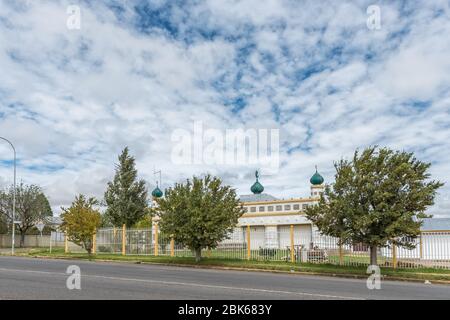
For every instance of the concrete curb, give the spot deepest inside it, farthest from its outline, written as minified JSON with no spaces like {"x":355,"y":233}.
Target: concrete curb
{"x":310,"y":273}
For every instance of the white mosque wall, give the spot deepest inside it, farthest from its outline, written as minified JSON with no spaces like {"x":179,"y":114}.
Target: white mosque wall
{"x":273,"y":220}
{"x":302,"y":235}
{"x":435,"y":246}
{"x":257,"y":237}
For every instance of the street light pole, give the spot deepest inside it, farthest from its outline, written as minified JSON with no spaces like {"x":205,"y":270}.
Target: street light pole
{"x":14,"y":199}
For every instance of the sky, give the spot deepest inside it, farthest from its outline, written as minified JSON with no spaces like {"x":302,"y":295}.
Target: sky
{"x":135,"y":71}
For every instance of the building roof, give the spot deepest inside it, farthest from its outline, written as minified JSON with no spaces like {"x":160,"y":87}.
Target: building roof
{"x":257,"y":197}
{"x":432,"y":224}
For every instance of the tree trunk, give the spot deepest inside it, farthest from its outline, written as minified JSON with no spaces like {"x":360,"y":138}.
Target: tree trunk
{"x":373,"y":255}
{"x":22,"y":239}
{"x":198,"y":254}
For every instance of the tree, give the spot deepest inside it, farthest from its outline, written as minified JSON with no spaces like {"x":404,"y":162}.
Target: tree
{"x":199,"y":213}
{"x":80,"y":221}
{"x":31,"y":206}
{"x":146,"y":220}
{"x":3,"y":224}
{"x":379,"y":199}
{"x":125,"y":197}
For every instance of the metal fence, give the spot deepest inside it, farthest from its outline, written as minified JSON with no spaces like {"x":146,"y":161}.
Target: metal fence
{"x":286,"y":243}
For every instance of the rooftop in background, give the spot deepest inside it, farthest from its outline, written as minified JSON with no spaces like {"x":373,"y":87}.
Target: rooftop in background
{"x":434,"y":224}
{"x":257,"y":197}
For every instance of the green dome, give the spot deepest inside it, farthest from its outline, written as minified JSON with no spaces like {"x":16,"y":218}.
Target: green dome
{"x":257,"y":188}
{"x":157,"y":193}
{"x":316,"y":179}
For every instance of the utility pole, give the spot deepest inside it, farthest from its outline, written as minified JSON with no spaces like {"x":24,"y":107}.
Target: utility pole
{"x":14,"y":199}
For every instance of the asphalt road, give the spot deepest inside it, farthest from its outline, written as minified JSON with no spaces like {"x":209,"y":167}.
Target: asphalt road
{"x":28,"y":278}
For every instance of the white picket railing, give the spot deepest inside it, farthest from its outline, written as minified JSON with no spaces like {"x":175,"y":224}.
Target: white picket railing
{"x":287,"y":244}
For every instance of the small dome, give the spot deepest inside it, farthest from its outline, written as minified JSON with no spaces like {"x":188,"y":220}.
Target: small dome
{"x":157,"y":193}
{"x":257,"y":188}
{"x":316,"y":179}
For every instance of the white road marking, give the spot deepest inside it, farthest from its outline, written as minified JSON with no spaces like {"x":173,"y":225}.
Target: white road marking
{"x":190,"y":284}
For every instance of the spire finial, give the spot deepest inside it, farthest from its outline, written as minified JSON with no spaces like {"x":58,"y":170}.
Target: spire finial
{"x":257,"y":187}
{"x":157,"y":193}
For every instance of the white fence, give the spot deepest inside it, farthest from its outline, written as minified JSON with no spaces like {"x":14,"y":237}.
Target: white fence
{"x":285,"y":243}
{"x":289,"y":243}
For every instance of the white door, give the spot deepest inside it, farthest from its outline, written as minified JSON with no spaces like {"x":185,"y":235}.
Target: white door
{"x":302,"y":235}
{"x":257,"y":237}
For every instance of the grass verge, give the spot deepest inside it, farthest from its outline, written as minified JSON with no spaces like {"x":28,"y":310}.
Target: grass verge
{"x":418,"y":274}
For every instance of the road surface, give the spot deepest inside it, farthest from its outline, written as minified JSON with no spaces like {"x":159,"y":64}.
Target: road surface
{"x":30,"y":278}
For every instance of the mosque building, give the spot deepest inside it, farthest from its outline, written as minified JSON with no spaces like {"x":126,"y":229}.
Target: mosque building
{"x":270,"y":218}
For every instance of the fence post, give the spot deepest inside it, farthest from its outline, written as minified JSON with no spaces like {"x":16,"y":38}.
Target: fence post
{"x":156,"y":240}
{"x":172,"y":247}
{"x":94,"y":241}
{"x":341,"y":254}
{"x":421,"y":246}
{"x":66,"y":243}
{"x":394,"y":255}
{"x":124,"y":239}
{"x":114,"y":239}
{"x":292,"y":244}
{"x":248,"y":242}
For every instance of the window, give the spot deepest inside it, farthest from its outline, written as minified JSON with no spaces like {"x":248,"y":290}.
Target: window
{"x":305,"y":206}
{"x":252,"y":209}
{"x":262,"y":209}
{"x":287,"y":207}
{"x":245,"y":209}
{"x":296,"y":207}
{"x":279,"y":208}
{"x":270,"y":208}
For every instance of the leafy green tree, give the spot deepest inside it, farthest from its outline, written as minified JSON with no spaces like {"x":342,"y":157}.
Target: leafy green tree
{"x":125,"y":197}
{"x":379,"y":199}
{"x":31,"y":206}
{"x":80,"y":221}
{"x":146,"y":221}
{"x":199,"y":213}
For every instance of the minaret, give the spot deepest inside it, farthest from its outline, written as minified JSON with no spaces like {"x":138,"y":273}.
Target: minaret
{"x":317,"y":185}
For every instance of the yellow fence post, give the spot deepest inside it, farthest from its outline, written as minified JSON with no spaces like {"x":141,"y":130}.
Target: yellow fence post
{"x":248,"y":242}
{"x":124,"y":239}
{"x":394,"y":256}
{"x":114,"y":239}
{"x":172,"y":247}
{"x":341,"y":254}
{"x":292,"y":244}
{"x":421,"y":246}
{"x":94,"y":241}
{"x":66,"y":243}
{"x":156,"y":239}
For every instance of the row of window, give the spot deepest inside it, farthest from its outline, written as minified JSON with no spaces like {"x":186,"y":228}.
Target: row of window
{"x":287,"y":207}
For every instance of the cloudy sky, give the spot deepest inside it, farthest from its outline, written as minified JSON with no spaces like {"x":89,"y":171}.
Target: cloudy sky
{"x":71,"y":99}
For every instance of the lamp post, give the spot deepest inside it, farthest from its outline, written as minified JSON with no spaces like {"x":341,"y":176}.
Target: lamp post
{"x":14,"y":198}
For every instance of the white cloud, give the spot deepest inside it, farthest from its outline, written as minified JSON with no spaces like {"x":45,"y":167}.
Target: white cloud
{"x":71,"y":100}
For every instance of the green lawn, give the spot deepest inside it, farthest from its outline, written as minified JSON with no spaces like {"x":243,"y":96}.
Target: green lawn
{"x":322,"y":268}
